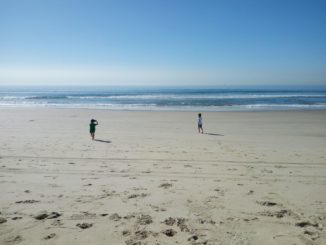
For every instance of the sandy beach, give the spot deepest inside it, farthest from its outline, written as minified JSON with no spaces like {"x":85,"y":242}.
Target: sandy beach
{"x":150,"y":178}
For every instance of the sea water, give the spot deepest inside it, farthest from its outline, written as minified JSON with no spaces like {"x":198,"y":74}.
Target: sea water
{"x":165,"y":98}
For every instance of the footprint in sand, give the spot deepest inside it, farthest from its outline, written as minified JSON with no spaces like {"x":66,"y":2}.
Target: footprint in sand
{"x":206,"y":221}
{"x":139,"y":235}
{"x":180,"y":222}
{"x":137,"y":195}
{"x":232,"y":169}
{"x":45,"y":215}
{"x":146,"y":172}
{"x":277,"y":214}
{"x":308,"y":223}
{"x":193,"y":238}
{"x":139,"y":189}
{"x":126,"y":233}
{"x":52,"y":235}
{"x":165,"y":185}
{"x":115,"y":217}
{"x":312,"y":234}
{"x":221,"y":192}
{"x":16,"y":218}
{"x":251,"y":219}
{"x":250,"y":192}
{"x":266,"y":171}
{"x":13,"y":240}
{"x":57,"y":223}
{"x":28,"y":201}
{"x":157,"y":209}
{"x":169,"y":232}
{"x":267,"y":203}
{"x":2,"y":220}
{"x":144,"y":219}
{"x":84,"y":225}
{"x":83,"y":215}
{"x":169,"y":221}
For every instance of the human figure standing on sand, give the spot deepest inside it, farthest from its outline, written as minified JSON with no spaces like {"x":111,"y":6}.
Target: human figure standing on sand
{"x":92,"y":126}
{"x":200,"y":124}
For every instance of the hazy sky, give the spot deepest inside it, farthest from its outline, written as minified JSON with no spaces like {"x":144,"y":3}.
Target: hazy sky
{"x":162,"y":42}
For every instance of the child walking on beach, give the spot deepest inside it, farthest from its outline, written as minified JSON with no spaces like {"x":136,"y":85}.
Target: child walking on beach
{"x":92,"y":126}
{"x":200,"y":124}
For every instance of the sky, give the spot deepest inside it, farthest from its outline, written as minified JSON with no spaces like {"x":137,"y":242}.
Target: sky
{"x":163,"y":42}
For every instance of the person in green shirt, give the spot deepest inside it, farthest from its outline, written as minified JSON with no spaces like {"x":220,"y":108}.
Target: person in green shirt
{"x":92,"y":126}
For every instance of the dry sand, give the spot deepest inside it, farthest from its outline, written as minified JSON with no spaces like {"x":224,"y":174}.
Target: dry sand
{"x":253,"y":178}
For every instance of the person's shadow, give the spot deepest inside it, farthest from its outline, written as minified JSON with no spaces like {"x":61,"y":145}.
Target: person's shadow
{"x":103,"y":141}
{"x":214,"y":134}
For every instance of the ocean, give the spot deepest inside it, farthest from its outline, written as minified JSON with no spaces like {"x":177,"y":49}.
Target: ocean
{"x":165,"y":98}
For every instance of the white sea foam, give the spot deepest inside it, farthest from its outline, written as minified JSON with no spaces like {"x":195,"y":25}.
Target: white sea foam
{"x":154,"y":107}
{"x":195,"y":96}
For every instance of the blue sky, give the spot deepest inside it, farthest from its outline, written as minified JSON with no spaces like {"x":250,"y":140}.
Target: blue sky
{"x":162,"y":42}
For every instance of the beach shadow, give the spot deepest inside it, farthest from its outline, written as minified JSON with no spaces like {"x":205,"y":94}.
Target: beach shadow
{"x":103,"y":141}
{"x":214,"y":134}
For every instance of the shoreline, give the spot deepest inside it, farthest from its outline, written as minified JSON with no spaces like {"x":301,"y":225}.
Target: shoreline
{"x":267,"y":109}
